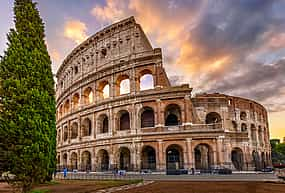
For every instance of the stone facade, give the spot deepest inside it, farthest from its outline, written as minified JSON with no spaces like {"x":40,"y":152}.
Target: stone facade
{"x":100,"y":128}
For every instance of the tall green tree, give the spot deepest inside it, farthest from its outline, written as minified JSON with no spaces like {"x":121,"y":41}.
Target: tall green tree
{"x":27,"y":111}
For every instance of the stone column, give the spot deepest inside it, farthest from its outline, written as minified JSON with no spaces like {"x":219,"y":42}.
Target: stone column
{"x":160,"y":161}
{"x":189,"y":151}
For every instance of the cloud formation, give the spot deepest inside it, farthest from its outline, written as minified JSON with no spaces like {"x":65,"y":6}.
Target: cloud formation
{"x":234,"y":47}
{"x":75,"y":30}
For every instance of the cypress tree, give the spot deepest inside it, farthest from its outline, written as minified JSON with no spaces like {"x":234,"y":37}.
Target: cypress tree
{"x":27,"y":97}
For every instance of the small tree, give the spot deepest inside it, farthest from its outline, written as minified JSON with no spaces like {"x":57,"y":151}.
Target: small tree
{"x":27,"y":112}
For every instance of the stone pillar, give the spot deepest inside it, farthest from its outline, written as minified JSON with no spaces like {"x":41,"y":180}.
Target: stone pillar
{"x":190,"y":157}
{"x":93,"y":159}
{"x":220,"y":151}
{"x":160,"y":161}
{"x":159,"y":122}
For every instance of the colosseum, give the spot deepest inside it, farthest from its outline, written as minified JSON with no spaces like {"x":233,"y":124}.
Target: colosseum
{"x":116,"y":109}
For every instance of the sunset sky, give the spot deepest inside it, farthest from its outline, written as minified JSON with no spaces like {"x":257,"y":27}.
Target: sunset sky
{"x":228,"y":46}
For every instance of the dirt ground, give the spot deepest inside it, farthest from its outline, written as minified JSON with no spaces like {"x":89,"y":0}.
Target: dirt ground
{"x":162,"y":187}
{"x":73,"y":186}
{"x":209,"y":187}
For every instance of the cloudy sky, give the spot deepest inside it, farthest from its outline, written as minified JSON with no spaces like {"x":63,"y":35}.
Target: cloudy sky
{"x":235,"y":47}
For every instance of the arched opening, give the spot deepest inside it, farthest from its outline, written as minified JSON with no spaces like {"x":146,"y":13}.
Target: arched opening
{"x":243,"y":116}
{"x":174,"y":157}
{"x":123,"y":85}
{"x":59,"y":136}
{"x":253,"y":132}
{"x":146,"y":80}
{"x":124,"y":120}
{"x":86,"y":127}
{"x":263,"y":160}
{"x":103,"y":124}
{"x":74,"y":130}
{"x":60,"y":111}
{"x":237,"y":158}
{"x":203,"y":157}
{"x":125,"y":159}
{"x":103,"y":161}
{"x":235,"y":126}
{"x":74,"y":165}
{"x":172,"y":115}
{"x":256,"y":160}
{"x":88,"y":96}
{"x":66,"y":107}
{"x":148,"y":158}
{"x":86,"y":161}
{"x":243,"y":127}
{"x":147,"y":117}
{"x":75,"y":101}
{"x":260,"y":135}
{"x":104,"y":90}
{"x":58,"y":160}
{"x":213,"y":117}
{"x":65,"y":133}
{"x":64,"y":160}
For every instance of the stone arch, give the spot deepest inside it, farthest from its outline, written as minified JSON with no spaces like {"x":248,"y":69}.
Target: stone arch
{"x":237,"y":158}
{"x":104,"y":89}
{"x":253,"y":132}
{"x":103,"y":160}
{"x":260,"y":135}
{"x":124,"y":120}
{"x":103,"y":124}
{"x":75,"y":101}
{"x":86,"y":161}
{"x":174,"y":157}
{"x":123,"y":85}
{"x":64,"y":160}
{"x":235,"y":126}
{"x":74,"y":130}
{"x":213,"y":118}
{"x":263,"y":160}
{"x":124,"y":158}
{"x":60,"y":111}
{"x":146,"y":80}
{"x":86,"y":127}
{"x":65,"y":133}
{"x":148,"y":158}
{"x":204,"y":156}
{"x":74,"y":161}
{"x":66,"y":107}
{"x":243,"y":127}
{"x":88,"y":96}
{"x":256,"y":160}
{"x":243,"y":116}
{"x":147,"y":117}
{"x":172,"y":115}
{"x":59,"y":136}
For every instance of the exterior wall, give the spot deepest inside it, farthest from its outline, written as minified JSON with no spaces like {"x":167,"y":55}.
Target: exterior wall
{"x":127,"y":53}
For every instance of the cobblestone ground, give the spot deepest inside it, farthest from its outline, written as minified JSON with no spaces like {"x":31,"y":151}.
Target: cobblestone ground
{"x":208,"y":187}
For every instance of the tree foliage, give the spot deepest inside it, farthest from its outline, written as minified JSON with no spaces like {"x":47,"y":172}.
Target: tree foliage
{"x":27,"y":112}
{"x":278,"y":153}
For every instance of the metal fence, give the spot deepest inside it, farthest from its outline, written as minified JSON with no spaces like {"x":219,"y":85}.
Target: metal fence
{"x":97,"y":176}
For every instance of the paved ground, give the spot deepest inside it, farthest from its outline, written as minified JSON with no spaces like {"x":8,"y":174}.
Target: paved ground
{"x":233,"y":177}
{"x":208,"y":187}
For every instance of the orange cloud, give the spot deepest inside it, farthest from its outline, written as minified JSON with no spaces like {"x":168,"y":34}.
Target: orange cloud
{"x":75,"y":30}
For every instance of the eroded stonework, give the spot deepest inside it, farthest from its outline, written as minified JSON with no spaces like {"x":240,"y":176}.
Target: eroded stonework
{"x":163,"y":127}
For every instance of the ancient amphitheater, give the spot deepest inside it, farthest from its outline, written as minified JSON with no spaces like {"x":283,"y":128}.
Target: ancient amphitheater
{"x":107,"y":119}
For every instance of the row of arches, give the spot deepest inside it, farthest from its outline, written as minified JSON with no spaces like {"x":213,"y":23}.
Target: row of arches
{"x":174,"y":158}
{"x":146,"y":119}
{"x":121,"y":87}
